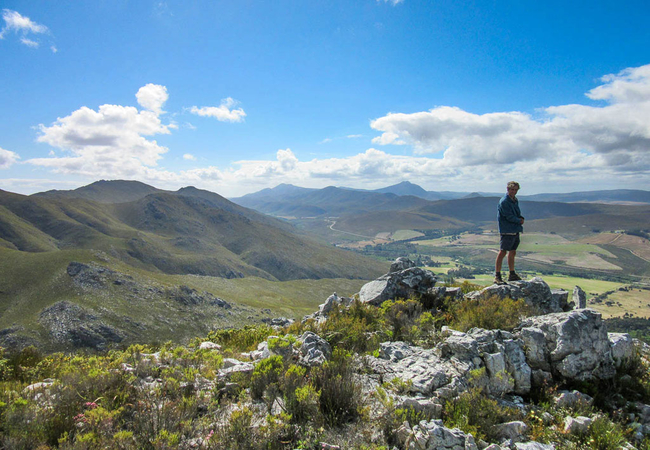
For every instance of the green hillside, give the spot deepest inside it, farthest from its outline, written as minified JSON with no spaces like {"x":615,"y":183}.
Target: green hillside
{"x":43,"y":302}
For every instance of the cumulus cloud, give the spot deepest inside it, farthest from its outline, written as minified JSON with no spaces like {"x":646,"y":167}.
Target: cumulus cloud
{"x":7,"y":158}
{"x":24,"y":26}
{"x":225,"y":112}
{"x":189,"y":157}
{"x":110,"y":141}
{"x":615,"y":135}
{"x":152,"y":97}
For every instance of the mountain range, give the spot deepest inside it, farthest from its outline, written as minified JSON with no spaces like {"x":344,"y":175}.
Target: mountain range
{"x":189,"y":231}
{"x":385,"y":210}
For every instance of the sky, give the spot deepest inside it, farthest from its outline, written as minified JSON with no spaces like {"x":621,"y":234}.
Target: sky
{"x":238,"y":96}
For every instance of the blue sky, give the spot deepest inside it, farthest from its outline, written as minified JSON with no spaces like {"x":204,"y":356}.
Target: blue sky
{"x":236,"y":96}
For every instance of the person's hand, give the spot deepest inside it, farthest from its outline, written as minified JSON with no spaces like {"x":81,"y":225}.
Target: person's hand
{"x":522,"y":221}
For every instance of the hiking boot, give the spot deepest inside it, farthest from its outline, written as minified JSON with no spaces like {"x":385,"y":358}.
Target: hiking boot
{"x":498,"y":280}
{"x":514,"y":277}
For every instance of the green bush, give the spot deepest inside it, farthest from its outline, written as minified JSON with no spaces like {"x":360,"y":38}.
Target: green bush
{"x":340,"y":395}
{"x":475,"y":413}
{"x":266,"y":376}
{"x":490,"y":313}
{"x":241,"y":339}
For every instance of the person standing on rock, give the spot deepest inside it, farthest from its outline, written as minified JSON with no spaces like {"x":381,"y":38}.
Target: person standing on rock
{"x":511,"y":223}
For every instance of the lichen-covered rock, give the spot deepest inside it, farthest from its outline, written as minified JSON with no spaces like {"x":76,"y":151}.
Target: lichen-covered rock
{"x":434,"y":436}
{"x":279,"y":322}
{"x":571,"y":345}
{"x":579,"y":298}
{"x":514,"y":431}
{"x":623,"y":348}
{"x":325,"y":308}
{"x":445,"y":370}
{"x":401,"y":263}
{"x":314,"y":350}
{"x":404,"y":284}
{"x":570,"y":399}
{"x":577,"y":425}
{"x":534,"y":292}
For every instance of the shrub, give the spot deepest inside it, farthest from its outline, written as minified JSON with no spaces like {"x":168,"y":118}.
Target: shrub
{"x":475,"y":413}
{"x":356,"y":329}
{"x":489,"y":313}
{"x":266,"y":375}
{"x":340,"y":398}
{"x":400,"y":316}
{"x":241,"y":339}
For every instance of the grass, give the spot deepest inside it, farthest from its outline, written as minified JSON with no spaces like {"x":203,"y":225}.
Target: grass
{"x":30,"y":282}
{"x":634,"y":301}
{"x":402,"y":235}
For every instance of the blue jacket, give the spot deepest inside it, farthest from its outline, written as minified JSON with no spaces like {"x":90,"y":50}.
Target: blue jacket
{"x":509,"y":216}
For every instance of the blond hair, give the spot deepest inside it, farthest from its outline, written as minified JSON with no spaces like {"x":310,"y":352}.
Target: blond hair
{"x":513,"y":184}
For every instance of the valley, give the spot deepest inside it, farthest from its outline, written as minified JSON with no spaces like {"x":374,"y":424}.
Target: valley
{"x":118,"y":262}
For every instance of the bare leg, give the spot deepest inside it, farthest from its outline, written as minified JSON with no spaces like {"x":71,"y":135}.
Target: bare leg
{"x":499,"y":261}
{"x":511,"y":260}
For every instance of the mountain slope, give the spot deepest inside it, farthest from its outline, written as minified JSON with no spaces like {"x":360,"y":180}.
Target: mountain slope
{"x":104,"y":191}
{"x":200,"y":233}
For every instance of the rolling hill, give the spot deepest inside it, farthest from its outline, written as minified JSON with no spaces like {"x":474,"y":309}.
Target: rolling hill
{"x":185,"y":232}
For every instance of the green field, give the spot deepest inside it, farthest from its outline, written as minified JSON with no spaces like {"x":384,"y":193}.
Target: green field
{"x":402,"y":235}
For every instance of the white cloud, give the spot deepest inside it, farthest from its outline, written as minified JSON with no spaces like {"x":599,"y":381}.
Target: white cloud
{"x":189,"y":157}
{"x":392,"y":2}
{"x":569,"y":147}
{"x":29,"y":42}
{"x":16,"y":22}
{"x":617,"y":135}
{"x":223,"y":113}
{"x":19,"y":24}
{"x":7,"y":158}
{"x":152,"y":97}
{"x":112,"y":141}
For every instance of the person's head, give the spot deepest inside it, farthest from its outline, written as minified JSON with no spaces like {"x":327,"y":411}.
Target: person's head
{"x":512,"y":187}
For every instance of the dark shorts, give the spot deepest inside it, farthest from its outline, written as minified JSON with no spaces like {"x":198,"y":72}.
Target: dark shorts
{"x":509,"y":242}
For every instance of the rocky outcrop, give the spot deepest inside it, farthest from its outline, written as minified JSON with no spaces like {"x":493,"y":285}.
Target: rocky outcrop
{"x":401,"y":263}
{"x":579,"y":297}
{"x":313,"y":350}
{"x":324,"y":309}
{"x":571,"y":345}
{"x":446,"y":370}
{"x":534,"y":292}
{"x":434,"y":436}
{"x":191,"y":297}
{"x":404,"y":284}
{"x":71,"y":325}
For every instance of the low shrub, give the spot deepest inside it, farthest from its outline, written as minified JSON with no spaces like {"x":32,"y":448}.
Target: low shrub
{"x":475,"y":413}
{"x":489,"y":313}
{"x":340,"y":394}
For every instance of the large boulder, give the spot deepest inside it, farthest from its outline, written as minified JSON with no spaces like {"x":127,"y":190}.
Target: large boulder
{"x":401,"y":263}
{"x":407,"y":283}
{"x":572,"y":345}
{"x":434,"y":436}
{"x":535,"y":293}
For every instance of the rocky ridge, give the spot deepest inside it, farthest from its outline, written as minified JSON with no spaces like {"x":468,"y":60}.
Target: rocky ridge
{"x":563,"y":345}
